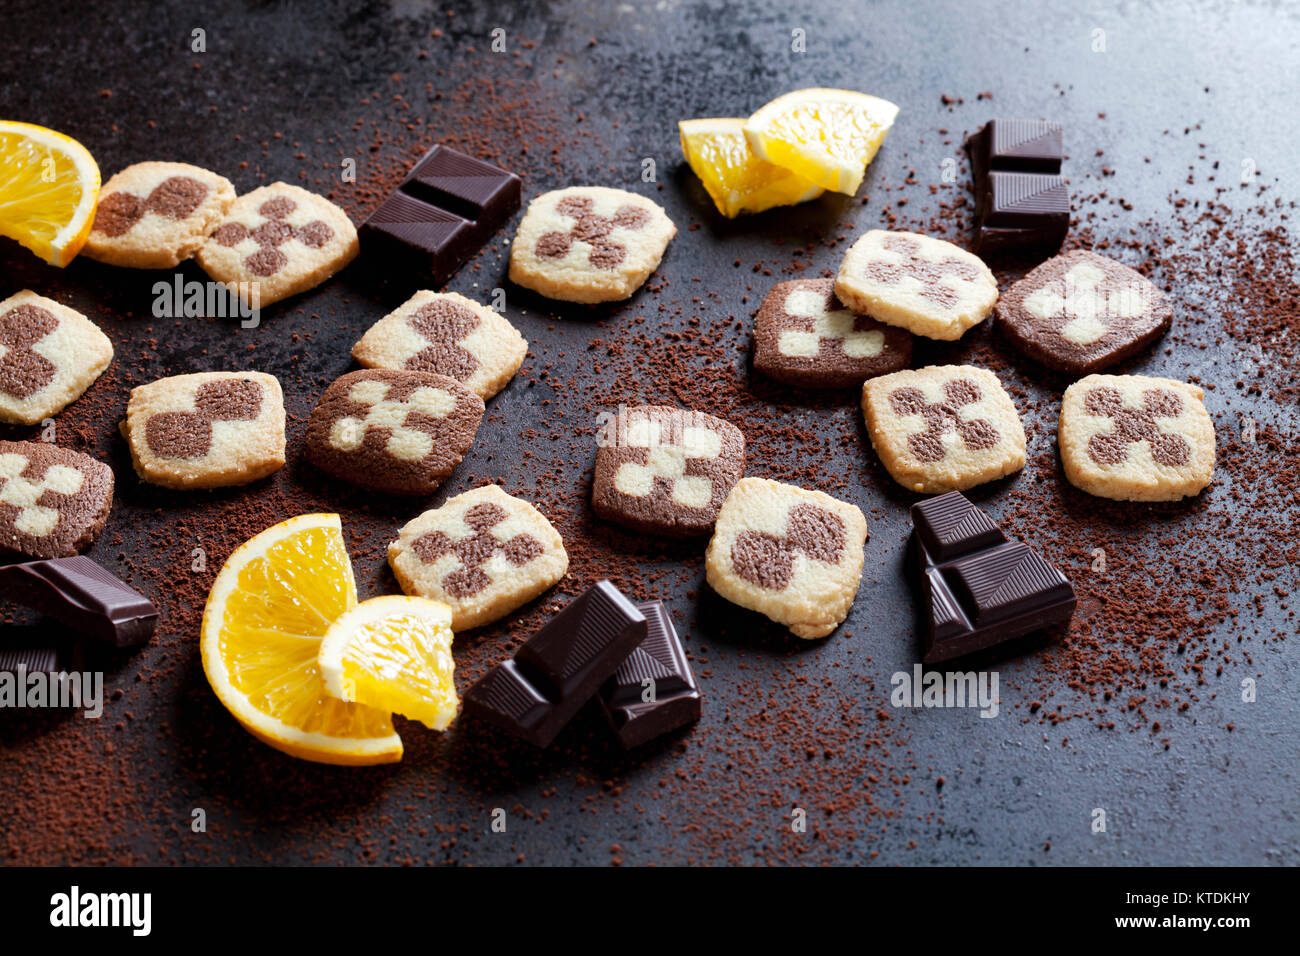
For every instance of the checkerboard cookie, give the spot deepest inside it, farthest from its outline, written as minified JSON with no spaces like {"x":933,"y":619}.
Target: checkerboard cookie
{"x":156,"y":215}
{"x":446,"y":334}
{"x":944,"y":427}
{"x":393,"y":431}
{"x":804,"y":336}
{"x":282,"y":240}
{"x":665,"y":470}
{"x":206,"y":430}
{"x":53,"y":501}
{"x":791,"y":554}
{"x":483,"y":552}
{"x":925,"y":285}
{"x":589,"y":244}
{"x":49,"y":355}
{"x":1135,"y":438}
{"x":1080,"y":313}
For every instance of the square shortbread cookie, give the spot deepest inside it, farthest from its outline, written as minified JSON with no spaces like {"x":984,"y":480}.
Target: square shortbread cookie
{"x":1135,"y":438}
{"x":483,"y":552}
{"x":156,"y":215}
{"x":446,"y":334}
{"x":944,"y":427}
{"x":804,"y":336}
{"x":49,"y":356}
{"x":791,"y":554}
{"x":53,"y":501}
{"x":393,"y":431}
{"x":918,"y":283}
{"x":282,"y":240}
{"x":589,"y":244}
{"x":666,"y":470}
{"x":1080,"y":313}
{"x":206,"y":430}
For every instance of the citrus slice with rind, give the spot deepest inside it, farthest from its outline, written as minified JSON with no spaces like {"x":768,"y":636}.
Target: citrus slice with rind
{"x":394,"y":653}
{"x":269,"y":608}
{"x":826,"y":136}
{"x":49,"y":186}
{"x":735,"y":178}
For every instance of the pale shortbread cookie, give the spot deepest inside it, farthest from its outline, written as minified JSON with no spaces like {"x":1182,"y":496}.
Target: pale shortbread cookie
{"x":206,"y":430}
{"x":49,"y":355}
{"x":280,"y":239}
{"x":483,"y":552}
{"x":791,"y":554}
{"x":447,"y":334}
{"x":944,"y":427}
{"x":1135,"y":438}
{"x":925,"y":285}
{"x":156,"y":215}
{"x":589,"y":244}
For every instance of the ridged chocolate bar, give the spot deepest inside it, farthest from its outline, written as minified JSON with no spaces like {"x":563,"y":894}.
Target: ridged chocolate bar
{"x":444,"y":211}
{"x":1021,"y":201}
{"x":657,"y":670}
{"x":977,"y":588}
{"x":560,"y":667}
{"x":83,"y":595}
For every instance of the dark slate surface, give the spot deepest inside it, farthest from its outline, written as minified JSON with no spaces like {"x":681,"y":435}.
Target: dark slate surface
{"x":1011,"y":787}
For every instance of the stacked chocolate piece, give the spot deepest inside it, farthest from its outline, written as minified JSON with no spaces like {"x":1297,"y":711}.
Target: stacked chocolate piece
{"x":1021,"y":200}
{"x":600,"y":645}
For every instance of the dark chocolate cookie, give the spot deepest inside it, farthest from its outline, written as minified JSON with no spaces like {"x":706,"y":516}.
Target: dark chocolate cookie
{"x":53,"y":501}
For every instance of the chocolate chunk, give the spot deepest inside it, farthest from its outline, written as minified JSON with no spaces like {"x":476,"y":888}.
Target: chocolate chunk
{"x":33,"y":660}
{"x":1026,"y":146}
{"x":1021,"y":201}
{"x":82,"y":595}
{"x":654,"y":690}
{"x":978,"y":589}
{"x":448,"y":206}
{"x":560,"y":667}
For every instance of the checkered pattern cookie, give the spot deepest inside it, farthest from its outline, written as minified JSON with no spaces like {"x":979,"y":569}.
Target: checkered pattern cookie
{"x":925,"y":285}
{"x":1135,"y":438}
{"x":483,"y":552}
{"x":589,"y":244}
{"x":156,"y":215}
{"x":446,"y":334}
{"x":49,"y":355}
{"x":789,"y":553}
{"x":53,"y":501}
{"x":282,"y":239}
{"x":803,"y":335}
{"x":665,"y":470}
{"x":206,"y":430}
{"x":393,"y":431}
{"x":943,"y":428}
{"x":1081,"y":312}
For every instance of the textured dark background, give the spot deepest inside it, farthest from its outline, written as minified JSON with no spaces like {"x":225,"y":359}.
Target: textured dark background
{"x":584,"y":93}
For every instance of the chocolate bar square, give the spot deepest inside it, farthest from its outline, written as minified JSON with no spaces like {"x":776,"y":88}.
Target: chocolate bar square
{"x":654,"y":690}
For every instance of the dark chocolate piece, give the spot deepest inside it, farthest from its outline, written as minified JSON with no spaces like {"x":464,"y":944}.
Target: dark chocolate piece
{"x":448,"y":206}
{"x":43,"y":660}
{"x":977,"y":588}
{"x":1014,"y":145}
{"x":657,"y":670}
{"x":560,"y":667}
{"x":1021,"y":201}
{"x":83,"y":595}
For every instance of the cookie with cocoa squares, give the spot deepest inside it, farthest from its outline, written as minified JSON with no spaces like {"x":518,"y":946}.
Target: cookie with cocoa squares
{"x":789,"y":553}
{"x":53,"y":501}
{"x":446,"y":334}
{"x":589,"y":244}
{"x":206,"y":430}
{"x":665,"y":470}
{"x":485,"y":553}
{"x":156,"y":215}
{"x":399,"y":432}
{"x":804,"y":336}
{"x":277,"y":241}
{"x":49,"y":355}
